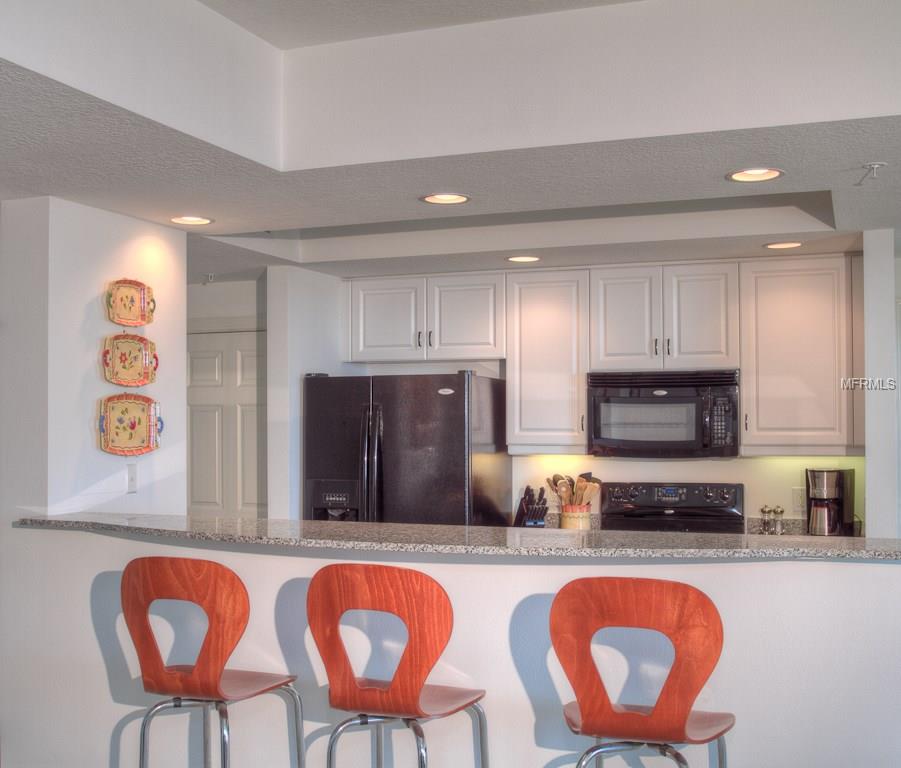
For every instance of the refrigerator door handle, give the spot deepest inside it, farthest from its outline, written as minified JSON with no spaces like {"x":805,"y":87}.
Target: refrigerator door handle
{"x":373,"y":511}
{"x":364,"y":462}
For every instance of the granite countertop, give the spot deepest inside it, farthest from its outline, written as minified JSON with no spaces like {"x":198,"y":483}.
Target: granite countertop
{"x":462,"y":540}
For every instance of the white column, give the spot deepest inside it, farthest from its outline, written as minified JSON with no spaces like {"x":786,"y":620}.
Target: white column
{"x":881,"y":361}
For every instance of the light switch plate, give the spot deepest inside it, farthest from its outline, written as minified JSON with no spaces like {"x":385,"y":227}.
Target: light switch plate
{"x":799,"y":502}
{"x":132,"y":472}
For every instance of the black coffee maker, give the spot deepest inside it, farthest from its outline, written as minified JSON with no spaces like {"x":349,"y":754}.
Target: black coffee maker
{"x":830,"y":502}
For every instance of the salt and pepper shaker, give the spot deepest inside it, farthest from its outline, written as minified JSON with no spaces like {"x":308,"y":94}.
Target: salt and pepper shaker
{"x":771,"y":520}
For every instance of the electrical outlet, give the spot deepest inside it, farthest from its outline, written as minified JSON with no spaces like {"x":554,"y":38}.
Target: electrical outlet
{"x":799,"y":502}
{"x":132,"y":472}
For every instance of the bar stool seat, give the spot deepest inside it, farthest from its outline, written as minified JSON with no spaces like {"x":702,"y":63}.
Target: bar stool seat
{"x":700,"y":727}
{"x":236,"y":684}
{"x":434,"y":701}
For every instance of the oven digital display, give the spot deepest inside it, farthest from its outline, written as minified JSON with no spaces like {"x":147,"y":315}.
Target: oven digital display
{"x":669,"y":493}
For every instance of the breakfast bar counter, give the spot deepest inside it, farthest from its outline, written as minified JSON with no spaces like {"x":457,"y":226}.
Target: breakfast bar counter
{"x":312,"y":537}
{"x":811,"y":662}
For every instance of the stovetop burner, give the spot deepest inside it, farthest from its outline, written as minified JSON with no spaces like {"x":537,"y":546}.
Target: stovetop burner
{"x":690,"y":507}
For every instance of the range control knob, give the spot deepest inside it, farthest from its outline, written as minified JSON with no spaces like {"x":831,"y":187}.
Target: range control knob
{"x":708,"y":494}
{"x":725,"y":494}
{"x":634,"y":492}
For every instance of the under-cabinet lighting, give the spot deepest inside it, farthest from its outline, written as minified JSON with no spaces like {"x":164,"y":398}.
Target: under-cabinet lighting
{"x":755,"y":174}
{"x":783,"y":246}
{"x":445,"y":198}
{"x":523,"y":259}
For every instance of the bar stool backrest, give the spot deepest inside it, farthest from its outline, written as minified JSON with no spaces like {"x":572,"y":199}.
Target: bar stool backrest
{"x":684,"y":614}
{"x":216,"y":589}
{"x":415,"y":598}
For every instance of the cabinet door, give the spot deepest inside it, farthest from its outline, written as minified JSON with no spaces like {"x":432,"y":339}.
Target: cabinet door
{"x":626,"y":326}
{"x":547,"y":359}
{"x":794,"y":352}
{"x":700,"y":316}
{"x":387,"y":319}
{"x":466,"y":317}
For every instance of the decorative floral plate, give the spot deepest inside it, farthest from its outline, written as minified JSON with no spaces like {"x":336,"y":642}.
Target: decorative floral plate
{"x":130,"y":302}
{"x":129,"y":360}
{"x":129,"y":424}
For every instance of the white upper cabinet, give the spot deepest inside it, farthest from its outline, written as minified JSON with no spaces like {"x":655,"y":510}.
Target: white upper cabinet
{"x":700,"y":316}
{"x":452,"y":317}
{"x":626,"y":318}
{"x":466,"y":316}
{"x":794,"y":352}
{"x":547,"y":360}
{"x":679,"y":317}
{"x":387,"y":319}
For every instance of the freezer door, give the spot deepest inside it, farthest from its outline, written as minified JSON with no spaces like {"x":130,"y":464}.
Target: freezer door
{"x":421,"y":449}
{"x":335,"y":445}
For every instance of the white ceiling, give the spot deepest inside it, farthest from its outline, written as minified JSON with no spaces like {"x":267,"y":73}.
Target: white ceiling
{"x":296,"y":23}
{"x":55,"y":140}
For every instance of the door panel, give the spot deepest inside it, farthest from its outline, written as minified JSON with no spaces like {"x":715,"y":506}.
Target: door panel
{"x":626,"y":327}
{"x":227,"y":423}
{"x":388,"y":319}
{"x":700,"y":311}
{"x":466,"y":317}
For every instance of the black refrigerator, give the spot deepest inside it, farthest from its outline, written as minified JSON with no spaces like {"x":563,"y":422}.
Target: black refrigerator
{"x":406,"y":449}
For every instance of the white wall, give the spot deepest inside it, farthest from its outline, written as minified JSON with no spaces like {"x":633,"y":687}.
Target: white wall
{"x":74,"y":252}
{"x":768,"y":480}
{"x":811,"y":664}
{"x":305,"y":335}
{"x":622,"y":71}
{"x":235,"y":305}
{"x":174,"y":61}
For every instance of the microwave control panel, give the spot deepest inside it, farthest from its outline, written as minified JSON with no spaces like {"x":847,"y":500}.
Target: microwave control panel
{"x":722,"y":422}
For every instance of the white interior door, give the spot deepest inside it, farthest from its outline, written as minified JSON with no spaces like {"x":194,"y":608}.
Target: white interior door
{"x":227,"y":423}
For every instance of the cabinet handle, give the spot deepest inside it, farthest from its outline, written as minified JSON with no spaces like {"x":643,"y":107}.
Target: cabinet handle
{"x":669,"y":348}
{"x":419,"y":338}
{"x":746,"y":422}
{"x":582,"y":422}
{"x":656,"y":347}
{"x":430,"y":338}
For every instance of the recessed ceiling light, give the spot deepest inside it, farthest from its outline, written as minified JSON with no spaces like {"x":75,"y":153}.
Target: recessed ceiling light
{"x":523,"y":259}
{"x":445,"y":198}
{"x":191,"y":221}
{"x":755,"y":174}
{"x":781,"y":246}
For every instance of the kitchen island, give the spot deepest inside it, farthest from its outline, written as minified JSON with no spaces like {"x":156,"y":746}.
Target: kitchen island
{"x":810,"y":665}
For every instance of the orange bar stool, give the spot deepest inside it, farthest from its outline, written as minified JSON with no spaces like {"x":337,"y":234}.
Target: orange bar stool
{"x":424,"y":607}
{"x":207,"y":684}
{"x":687,"y":617}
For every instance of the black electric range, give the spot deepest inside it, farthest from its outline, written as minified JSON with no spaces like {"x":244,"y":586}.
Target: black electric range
{"x":690,"y":507}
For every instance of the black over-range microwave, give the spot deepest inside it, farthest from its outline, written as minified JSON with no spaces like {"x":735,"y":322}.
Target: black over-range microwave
{"x":663,"y":414}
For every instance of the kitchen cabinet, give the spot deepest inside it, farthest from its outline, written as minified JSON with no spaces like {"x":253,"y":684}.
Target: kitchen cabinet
{"x":674,"y":317}
{"x":795,"y":349}
{"x":547,"y":361}
{"x":450,"y":317}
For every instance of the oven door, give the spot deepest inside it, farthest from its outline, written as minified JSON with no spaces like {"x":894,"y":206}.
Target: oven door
{"x":640,"y":423}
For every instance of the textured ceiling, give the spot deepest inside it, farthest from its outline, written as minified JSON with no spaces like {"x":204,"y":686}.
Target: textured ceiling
{"x":296,"y":23}
{"x":55,"y":140}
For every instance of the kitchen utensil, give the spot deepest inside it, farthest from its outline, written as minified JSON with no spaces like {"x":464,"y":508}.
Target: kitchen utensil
{"x":565,"y":492}
{"x":579,"y":491}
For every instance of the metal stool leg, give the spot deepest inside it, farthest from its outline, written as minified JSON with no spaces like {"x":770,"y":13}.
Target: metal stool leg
{"x":483,"y":733}
{"x":222,"y":709}
{"x":721,"y":752}
{"x":336,"y":734}
{"x":145,"y":727}
{"x":205,"y":714}
{"x":297,"y":705}
{"x":667,"y":750}
{"x":421,"y":751}
{"x":379,"y":745}
{"x":611,"y":748}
